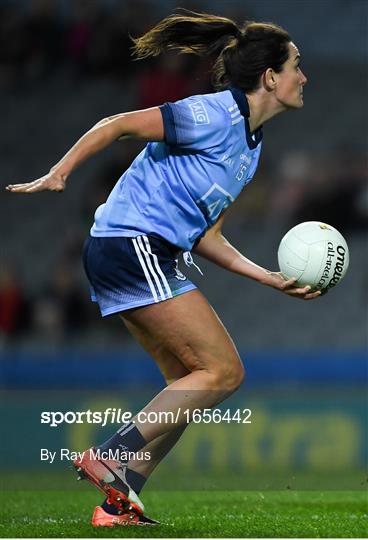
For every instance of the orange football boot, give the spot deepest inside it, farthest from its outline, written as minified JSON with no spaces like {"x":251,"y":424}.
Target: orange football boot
{"x":101,"y":518}
{"x":109,"y":477}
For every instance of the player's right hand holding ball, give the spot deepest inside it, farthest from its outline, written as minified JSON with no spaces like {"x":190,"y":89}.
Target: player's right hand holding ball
{"x":289,"y":287}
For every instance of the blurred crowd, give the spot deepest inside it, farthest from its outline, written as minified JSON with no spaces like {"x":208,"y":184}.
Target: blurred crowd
{"x":87,"y":39}
{"x":40,"y":39}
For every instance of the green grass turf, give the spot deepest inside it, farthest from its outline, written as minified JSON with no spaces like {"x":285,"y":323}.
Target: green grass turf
{"x":192,"y":514}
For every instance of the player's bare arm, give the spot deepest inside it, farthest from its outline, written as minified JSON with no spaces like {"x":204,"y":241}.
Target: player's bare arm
{"x":144,"y":125}
{"x":214,"y":247}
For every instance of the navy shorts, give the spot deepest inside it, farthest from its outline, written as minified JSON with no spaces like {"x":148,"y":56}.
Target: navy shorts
{"x":126,"y":273}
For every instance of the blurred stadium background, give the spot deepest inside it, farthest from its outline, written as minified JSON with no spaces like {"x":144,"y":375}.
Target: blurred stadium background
{"x":64,"y":65}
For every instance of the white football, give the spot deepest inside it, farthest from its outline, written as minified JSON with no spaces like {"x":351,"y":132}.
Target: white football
{"x":315,"y":254}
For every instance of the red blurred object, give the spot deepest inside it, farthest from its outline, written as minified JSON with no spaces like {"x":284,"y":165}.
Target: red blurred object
{"x":10,"y":302}
{"x":167,"y":81}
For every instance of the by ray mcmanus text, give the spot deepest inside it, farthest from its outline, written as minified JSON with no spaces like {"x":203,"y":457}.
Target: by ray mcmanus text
{"x":65,"y":454}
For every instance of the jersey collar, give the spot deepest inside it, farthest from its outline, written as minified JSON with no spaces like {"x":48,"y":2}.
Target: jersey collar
{"x":242,"y":103}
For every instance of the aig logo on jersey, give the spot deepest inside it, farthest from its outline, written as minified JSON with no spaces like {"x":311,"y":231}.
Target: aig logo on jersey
{"x":199,"y":113}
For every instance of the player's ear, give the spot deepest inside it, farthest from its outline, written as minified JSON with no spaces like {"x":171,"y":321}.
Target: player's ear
{"x":269,"y":79}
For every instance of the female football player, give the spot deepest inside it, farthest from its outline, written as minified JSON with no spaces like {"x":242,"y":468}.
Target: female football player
{"x":201,"y":152}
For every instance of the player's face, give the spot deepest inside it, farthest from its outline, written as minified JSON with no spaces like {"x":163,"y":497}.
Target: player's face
{"x":290,"y":81}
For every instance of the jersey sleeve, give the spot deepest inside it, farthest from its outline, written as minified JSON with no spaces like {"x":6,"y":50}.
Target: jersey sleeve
{"x":195,"y":123}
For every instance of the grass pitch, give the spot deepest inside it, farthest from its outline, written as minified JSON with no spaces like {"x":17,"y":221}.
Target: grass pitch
{"x":192,"y":514}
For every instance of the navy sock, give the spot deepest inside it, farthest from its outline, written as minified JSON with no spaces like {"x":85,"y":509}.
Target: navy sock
{"x":136,"y":482}
{"x":126,"y":439}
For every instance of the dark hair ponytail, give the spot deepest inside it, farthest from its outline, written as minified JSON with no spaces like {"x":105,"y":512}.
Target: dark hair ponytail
{"x":193,"y":33}
{"x":244,"y":53}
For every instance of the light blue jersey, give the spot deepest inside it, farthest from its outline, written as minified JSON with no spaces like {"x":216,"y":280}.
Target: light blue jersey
{"x":178,"y":188}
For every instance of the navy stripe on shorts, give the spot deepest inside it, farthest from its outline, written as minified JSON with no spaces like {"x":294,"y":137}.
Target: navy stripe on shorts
{"x":126,"y":273}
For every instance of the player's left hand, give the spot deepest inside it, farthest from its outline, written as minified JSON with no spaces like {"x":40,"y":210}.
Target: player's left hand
{"x":51,"y":181}
{"x":289,"y":287}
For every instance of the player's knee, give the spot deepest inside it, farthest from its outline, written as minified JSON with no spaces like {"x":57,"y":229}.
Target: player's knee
{"x":230,"y":376}
{"x":225,"y":372}
{"x":235,"y":376}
